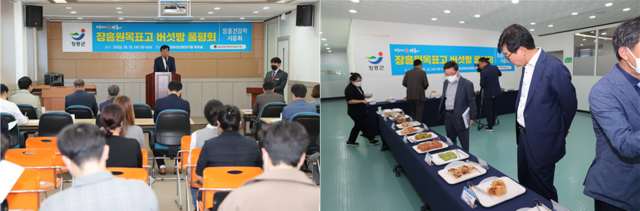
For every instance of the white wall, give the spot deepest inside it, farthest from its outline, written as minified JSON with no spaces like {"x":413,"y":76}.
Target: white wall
{"x":8,"y":64}
{"x":304,"y":47}
{"x":334,"y":88}
{"x":374,"y":36}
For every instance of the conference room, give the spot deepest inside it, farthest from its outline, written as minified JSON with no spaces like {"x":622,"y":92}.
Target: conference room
{"x":465,"y":136}
{"x":154,"y":74}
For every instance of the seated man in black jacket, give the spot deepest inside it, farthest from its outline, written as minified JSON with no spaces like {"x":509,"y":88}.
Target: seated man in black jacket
{"x":80,"y":97}
{"x":171,"y":101}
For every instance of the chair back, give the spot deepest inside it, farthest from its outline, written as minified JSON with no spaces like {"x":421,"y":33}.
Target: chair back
{"x":142,"y":110}
{"x":272,"y":109}
{"x":25,"y":194}
{"x":29,"y":109}
{"x":317,"y":105}
{"x":98,"y":123}
{"x":46,"y":143}
{"x":130,"y":173}
{"x":171,"y":126}
{"x":311,"y":122}
{"x":41,"y":159}
{"x":225,"y":178}
{"x":193,"y":161}
{"x":80,"y":111}
{"x":51,"y":123}
{"x":185,"y":145}
{"x":15,"y":131}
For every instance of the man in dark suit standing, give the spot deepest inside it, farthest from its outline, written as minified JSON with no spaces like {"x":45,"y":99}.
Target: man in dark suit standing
{"x":416,"y":82}
{"x":267,"y":97}
{"x":80,"y":97}
{"x":172,"y":101}
{"x":277,"y":76}
{"x":164,"y":63}
{"x":457,"y":105}
{"x":545,"y":107}
{"x":490,"y":85}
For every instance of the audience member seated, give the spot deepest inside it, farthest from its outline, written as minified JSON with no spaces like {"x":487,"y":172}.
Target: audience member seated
{"x":211,"y":130}
{"x":228,"y":149}
{"x":299,"y":105}
{"x":80,"y":97}
{"x":125,"y":152}
{"x":114,"y":91}
{"x":267,"y":97}
{"x":4,"y":128}
{"x":282,"y":186}
{"x":9,"y":107}
{"x":24,"y":96}
{"x":85,"y":153}
{"x":173,"y":101}
{"x":315,"y":93}
{"x":133,"y":131}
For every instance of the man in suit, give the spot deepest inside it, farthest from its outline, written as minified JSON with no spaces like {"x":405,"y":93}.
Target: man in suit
{"x":172,"y":101}
{"x":457,"y":105}
{"x":613,"y":103}
{"x":299,"y":92}
{"x":114,"y":91}
{"x":490,"y":85}
{"x":24,"y":96}
{"x":545,"y":107}
{"x":80,"y":97}
{"x":416,"y":82}
{"x":164,"y":63}
{"x":277,"y":76}
{"x":267,"y":97}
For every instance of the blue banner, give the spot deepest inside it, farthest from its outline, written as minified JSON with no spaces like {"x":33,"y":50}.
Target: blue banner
{"x":434,"y":57}
{"x":180,"y":37}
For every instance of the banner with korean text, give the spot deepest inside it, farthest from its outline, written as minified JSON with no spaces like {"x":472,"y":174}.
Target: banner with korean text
{"x":149,"y":36}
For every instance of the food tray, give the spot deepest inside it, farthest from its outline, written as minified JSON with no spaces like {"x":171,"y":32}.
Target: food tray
{"x":444,"y":146}
{"x":513,"y":190}
{"x":533,"y":209}
{"x":444,"y":173}
{"x":399,"y":126}
{"x":439,"y":161}
{"x":413,"y":139}
{"x":418,"y":130}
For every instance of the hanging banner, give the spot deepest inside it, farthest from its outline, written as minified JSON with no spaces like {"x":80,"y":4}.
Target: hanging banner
{"x":148,"y":37}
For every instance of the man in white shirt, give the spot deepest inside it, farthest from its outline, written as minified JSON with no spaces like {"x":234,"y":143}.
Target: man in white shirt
{"x":9,"y":107}
{"x":24,"y":96}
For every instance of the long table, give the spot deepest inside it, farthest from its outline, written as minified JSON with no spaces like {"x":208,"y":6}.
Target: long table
{"x":146,"y":124}
{"x":506,"y":104}
{"x":432,"y":188}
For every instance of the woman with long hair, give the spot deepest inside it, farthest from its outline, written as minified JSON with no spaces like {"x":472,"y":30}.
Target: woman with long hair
{"x":123,"y":152}
{"x":131,"y":130}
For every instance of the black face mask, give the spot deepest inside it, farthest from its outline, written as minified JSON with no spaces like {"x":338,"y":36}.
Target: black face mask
{"x":274,"y":67}
{"x":479,"y":69}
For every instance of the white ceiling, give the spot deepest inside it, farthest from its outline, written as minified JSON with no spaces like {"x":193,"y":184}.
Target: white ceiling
{"x":495,"y":15}
{"x":106,"y":10}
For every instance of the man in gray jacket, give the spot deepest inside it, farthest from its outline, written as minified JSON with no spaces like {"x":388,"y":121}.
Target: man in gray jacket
{"x":457,"y":105}
{"x":24,"y":96}
{"x":416,"y":82}
{"x":267,"y":97}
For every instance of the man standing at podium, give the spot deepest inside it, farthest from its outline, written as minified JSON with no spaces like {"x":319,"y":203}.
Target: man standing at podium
{"x":164,"y":63}
{"x":277,"y":76}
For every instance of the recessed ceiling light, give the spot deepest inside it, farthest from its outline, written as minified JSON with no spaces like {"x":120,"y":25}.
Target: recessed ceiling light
{"x":242,"y":18}
{"x":477,"y":16}
{"x":532,"y":29}
{"x":210,"y":13}
{"x":447,"y":11}
{"x":355,"y":1}
{"x":79,"y":18}
{"x":216,"y":8}
{"x":533,"y":23}
{"x":256,"y":12}
{"x":320,"y":32}
{"x":603,"y":33}
{"x":201,"y":18}
{"x":68,"y":8}
{"x":329,"y":51}
{"x":73,"y":12}
{"x":461,"y":22}
{"x":326,"y":44}
{"x":626,"y":9}
{"x":324,"y":39}
{"x":120,"y":18}
{"x":584,"y":39}
{"x":353,"y":11}
{"x":118,"y":8}
{"x":328,"y":48}
{"x":608,"y":4}
{"x":550,"y":25}
{"x":119,"y":12}
{"x":592,"y":17}
{"x":515,"y":1}
{"x":60,"y":1}
{"x":574,"y":13}
{"x":581,"y":44}
{"x":434,"y":19}
{"x":595,"y":40}
{"x":593,"y":32}
{"x":265,"y":8}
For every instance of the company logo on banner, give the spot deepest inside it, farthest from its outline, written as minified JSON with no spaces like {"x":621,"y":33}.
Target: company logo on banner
{"x":434,"y":57}
{"x":148,"y":37}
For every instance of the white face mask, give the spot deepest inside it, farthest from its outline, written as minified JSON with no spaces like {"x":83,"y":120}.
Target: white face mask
{"x":358,"y":84}
{"x":637,"y":62}
{"x":452,"y":79}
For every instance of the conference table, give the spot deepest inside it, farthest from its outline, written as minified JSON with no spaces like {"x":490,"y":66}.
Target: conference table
{"x":247,"y":116}
{"x":146,"y":124}
{"x":432,"y":188}
{"x":268,"y":120}
{"x":506,"y":104}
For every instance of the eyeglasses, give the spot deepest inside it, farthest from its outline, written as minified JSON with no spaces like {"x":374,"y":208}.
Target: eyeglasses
{"x":507,"y":56}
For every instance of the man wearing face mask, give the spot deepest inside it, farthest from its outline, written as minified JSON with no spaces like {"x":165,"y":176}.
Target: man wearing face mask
{"x":277,"y":76}
{"x":545,"y":107}
{"x":457,"y":105}
{"x":613,"y":103}
{"x":490,"y":85}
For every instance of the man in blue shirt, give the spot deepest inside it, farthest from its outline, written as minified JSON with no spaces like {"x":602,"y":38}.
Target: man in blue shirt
{"x":299,"y":105}
{"x":114,"y":91}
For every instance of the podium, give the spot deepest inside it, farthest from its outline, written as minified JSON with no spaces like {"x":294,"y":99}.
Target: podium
{"x":157,"y":85}
{"x":254,"y":93}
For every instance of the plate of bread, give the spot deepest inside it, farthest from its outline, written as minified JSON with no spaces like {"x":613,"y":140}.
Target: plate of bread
{"x":502,"y":189}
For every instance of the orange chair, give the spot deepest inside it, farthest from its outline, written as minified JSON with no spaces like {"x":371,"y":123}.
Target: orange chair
{"x":40,"y":159}
{"x":145,"y":162}
{"x":183,"y":155}
{"x":130,"y":173}
{"x":192,"y":178}
{"x":223,"y":179}
{"x":25,"y":194}
{"x":47,"y":143}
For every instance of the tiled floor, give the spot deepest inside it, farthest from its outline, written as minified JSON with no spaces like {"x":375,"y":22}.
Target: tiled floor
{"x":360,"y":178}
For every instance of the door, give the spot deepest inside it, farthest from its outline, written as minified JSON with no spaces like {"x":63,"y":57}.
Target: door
{"x":283,"y":54}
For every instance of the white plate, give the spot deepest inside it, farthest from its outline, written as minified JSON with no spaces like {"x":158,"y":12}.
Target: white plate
{"x":413,"y":139}
{"x":387,"y":110}
{"x":418,"y":130}
{"x":444,"y":173}
{"x":444,"y":146}
{"x":513,"y":190}
{"x":397,"y":110}
{"x":412,"y":124}
{"x":533,"y":209}
{"x":439,"y":161}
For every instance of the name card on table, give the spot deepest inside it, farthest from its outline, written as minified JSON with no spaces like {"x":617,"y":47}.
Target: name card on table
{"x":558,"y":207}
{"x":393,"y":126}
{"x":449,"y":141}
{"x":469,"y":197}
{"x":428,"y":159}
{"x":405,"y":138}
{"x":482,"y":162}
{"x":425,"y":126}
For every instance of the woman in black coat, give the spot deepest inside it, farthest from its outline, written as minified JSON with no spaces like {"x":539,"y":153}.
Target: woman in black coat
{"x":357,"y":110}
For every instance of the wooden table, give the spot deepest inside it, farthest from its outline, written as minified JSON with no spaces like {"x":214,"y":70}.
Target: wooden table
{"x":270,"y":120}
{"x":146,"y":124}
{"x":53,"y":97}
{"x":247,"y":116}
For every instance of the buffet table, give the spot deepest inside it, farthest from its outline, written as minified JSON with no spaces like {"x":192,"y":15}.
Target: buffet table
{"x":432,"y":188}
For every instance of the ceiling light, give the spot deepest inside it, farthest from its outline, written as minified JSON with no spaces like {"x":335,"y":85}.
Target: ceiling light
{"x":210,"y":13}
{"x":326,"y":44}
{"x":320,"y":32}
{"x":201,"y":18}
{"x":216,"y":8}
{"x":329,"y":51}
{"x":550,"y":25}
{"x":265,"y":8}
{"x":595,"y":40}
{"x":626,"y":9}
{"x":355,"y":1}
{"x":584,"y":39}
{"x":461,"y":22}
{"x":574,"y":13}
{"x":324,"y":39}
{"x":73,"y":12}
{"x":60,"y":1}
{"x":532,"y":29}
{"x":79,"y":18}
{"x":593,"y":32}
{"x":120,"y":18}
{"x":328,"y":48}
{"x":581,"y":44}
{"x":592,"y":17}
{"x":256,"y":12}
{"x":608,"y":4}
{"x":447,"y":11}
{"x":604,"y":33}
{"x":118,"y":8}
{"x":119,"y":12}
{"x":68,"y":8}
{"x":477,"y":16}
{"x":533,"y":23}
{"x":434,"y":19}
{"x":242,"y":18}
{"x":353,"y":11}
{"x":515,"y":1}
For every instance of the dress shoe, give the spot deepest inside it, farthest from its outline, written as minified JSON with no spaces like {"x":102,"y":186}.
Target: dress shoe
{"x":175,"y":170}
{"x":163,"y":171}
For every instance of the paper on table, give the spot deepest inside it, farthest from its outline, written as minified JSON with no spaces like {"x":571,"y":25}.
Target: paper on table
{"x":247,"y":110}
{"x":465,"y":118}
{"x":35,"y":121}
{"x":9,"y":174}
{"x":12,"y":124}
{"x":276,"y":120}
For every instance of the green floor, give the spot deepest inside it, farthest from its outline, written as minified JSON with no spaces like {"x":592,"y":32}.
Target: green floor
{"x":360,"y":178}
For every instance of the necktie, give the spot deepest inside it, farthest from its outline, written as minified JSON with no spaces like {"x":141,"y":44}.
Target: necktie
{"x":273,"y":75}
